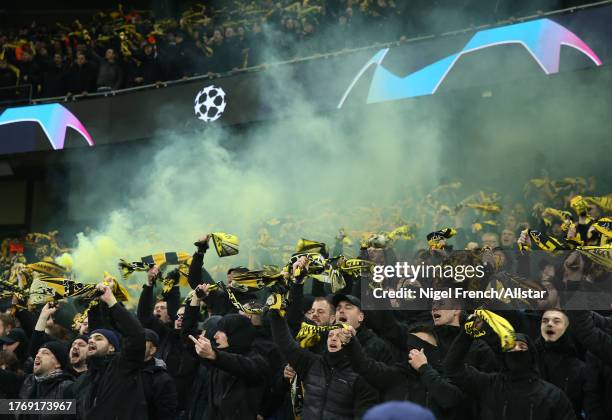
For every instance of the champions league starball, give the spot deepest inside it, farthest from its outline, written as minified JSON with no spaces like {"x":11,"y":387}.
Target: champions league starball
{"x":209,"y":103}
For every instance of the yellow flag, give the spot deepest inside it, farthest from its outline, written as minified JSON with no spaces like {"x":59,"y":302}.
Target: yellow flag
{"x":225,"y":243}
{"x":498,"y":324}
{"x":304,"y":245}
{"x":47,"y":268}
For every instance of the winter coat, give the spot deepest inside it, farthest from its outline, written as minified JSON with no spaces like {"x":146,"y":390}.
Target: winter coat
{"x":263,"y":344}
{"x":181,"y":363}
{"x":112,"y":387}
{"x":508,"y":394}
{"x":596,"y":339}
{"x":397,"y":382}
{"x":56,"y":386}
{"x":332,"y":389}
{"x":559,"y":364}
{"x":236,"y":378}
{"x":159,"y":391}
{"x":597,"y":389}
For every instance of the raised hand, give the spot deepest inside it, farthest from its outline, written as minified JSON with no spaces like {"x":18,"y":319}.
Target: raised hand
{"x":289,"y":373}
{"x":152,"y":275}
{"x":107,"y":292}
{"x":417,"y":358}
{"x":48,"y":310}
{"x":203,"y":347}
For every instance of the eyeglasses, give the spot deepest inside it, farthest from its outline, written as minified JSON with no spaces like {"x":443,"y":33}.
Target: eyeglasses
{"x":180,"y":316}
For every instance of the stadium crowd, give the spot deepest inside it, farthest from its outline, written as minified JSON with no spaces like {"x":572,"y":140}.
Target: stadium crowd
{"x":257,"y":345}
{"x":128,"y":48}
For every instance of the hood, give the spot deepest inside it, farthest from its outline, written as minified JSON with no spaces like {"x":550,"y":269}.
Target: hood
{"x":211,"y":326}
{"x":240,"y":332}
{"x":522,"y":364}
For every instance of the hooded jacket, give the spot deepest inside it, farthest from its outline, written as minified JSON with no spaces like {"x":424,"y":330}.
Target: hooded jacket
{"x":199,"y":389}
{"x":559,"y":364}
{"x":237,"y":376}
{"x":332,"y":390}
{"x":101,"y":392}
{"x":515,"y":393}
{"x":426,"y":387}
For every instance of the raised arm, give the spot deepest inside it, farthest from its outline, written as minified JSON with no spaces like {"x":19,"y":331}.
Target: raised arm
{"x":197,"y":262}
{"x":26,"y":321}
{"x":173,"y":300}
{"x":192,"y":316}
{"x":295,"y":314}
{"x":376,"y":373}
{"x":146,"y":304}
{"x":467,"y":377}
{"x":601,"y":321}
{"x":300,"y":359}
{"x":446,"y":394}
{"x":39,"y":337}
{"x":132,"y":352}
{"x":596,"y":340}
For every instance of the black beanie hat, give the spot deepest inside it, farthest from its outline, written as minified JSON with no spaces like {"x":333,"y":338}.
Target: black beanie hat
{"x":83,"y":337}
{"x":239,"y":330}
{"x":60,"y":351}
{"x":211,"y":326}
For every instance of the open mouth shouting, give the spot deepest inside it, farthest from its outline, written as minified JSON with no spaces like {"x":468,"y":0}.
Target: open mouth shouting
{"x":74,"y":353}
{"x":550,"y":333}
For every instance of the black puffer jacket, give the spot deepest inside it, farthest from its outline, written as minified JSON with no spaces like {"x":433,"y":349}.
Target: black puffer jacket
{"x":55,"y":387}
{"x":332,"y":390}
{"x":237,"y":376}
{"x":510,"y":394}
{"x":559,"y":364}
{"x":101,"y":392}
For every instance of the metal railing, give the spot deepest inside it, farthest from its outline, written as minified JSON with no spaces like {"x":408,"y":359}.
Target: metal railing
{"x":309,"y":58}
